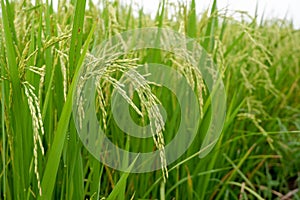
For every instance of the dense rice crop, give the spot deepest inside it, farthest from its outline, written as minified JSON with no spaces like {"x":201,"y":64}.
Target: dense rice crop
{"x":41,"y":52}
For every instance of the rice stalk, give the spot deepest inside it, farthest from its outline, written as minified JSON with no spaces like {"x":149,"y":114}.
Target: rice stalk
{"x":37,"y":125}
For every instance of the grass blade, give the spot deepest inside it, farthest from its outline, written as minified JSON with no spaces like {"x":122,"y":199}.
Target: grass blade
{"x":19,"y":128}
{"x":116,"y":193}
{"x":77,"y":32}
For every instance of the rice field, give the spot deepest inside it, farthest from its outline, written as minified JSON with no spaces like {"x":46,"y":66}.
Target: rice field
{"x":49,"y":141}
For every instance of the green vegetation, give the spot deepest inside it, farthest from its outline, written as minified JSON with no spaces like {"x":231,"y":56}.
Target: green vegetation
{"x":41,"y":53}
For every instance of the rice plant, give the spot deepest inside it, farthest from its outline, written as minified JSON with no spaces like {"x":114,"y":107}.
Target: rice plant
{"x":43,"y":52}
